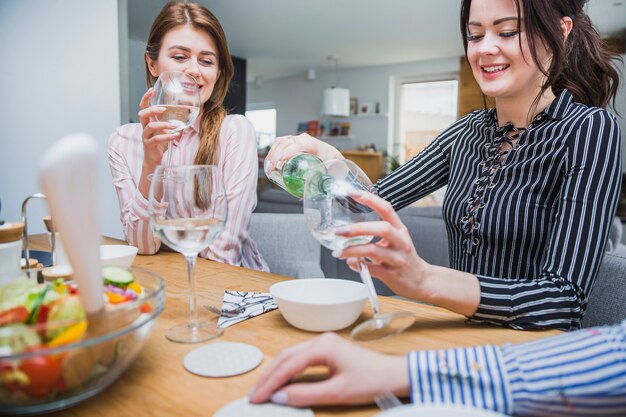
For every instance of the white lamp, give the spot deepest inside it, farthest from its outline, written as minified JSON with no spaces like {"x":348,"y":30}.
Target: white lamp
{"x":336,"y":102}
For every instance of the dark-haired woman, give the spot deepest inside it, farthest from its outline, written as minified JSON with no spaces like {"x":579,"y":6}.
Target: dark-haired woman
{"x":187,"y":37}
{"x":532,"y":183}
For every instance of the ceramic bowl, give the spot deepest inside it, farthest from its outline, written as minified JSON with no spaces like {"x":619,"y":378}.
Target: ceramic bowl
{"x":118,"y":255}
{"x":320,"y":304}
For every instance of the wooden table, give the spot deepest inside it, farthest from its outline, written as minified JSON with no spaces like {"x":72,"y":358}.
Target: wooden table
{"x":158,"y":385}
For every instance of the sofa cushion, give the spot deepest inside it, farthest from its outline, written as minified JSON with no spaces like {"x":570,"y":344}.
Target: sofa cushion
{"x":275,"y":200}
{"x":607,"y":301}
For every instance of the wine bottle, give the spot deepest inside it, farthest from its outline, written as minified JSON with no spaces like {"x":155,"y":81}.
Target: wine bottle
{"x":290,"y":175}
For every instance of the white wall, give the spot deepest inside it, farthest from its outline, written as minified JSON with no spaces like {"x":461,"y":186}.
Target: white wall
{"x":298,"y":99}
{"x":60,"y":74}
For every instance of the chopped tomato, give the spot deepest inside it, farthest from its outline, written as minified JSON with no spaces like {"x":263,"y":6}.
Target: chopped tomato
{"x":42,"y":317}
{"x":13,"y":315}
{"x":145,"y":308}
{"x":44,"y":374}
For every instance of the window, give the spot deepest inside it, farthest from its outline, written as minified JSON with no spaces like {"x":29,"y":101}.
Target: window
{"x":426,"y":109}
{"x":264,"y":122}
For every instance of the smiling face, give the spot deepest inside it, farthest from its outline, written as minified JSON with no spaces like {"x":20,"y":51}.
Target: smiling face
{"x":500,"y":67}
{"x":192,"y":51}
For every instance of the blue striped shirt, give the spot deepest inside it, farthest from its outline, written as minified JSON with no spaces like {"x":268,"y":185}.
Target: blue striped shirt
{"x":575,"y":374}
{"x":532,"y":222}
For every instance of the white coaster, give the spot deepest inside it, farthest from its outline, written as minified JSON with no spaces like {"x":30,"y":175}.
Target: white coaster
{"x":242,"y":407}
{"x":223,"y":359}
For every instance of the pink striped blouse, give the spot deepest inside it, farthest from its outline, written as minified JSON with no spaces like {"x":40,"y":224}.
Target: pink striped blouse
{"x":239,"y":166}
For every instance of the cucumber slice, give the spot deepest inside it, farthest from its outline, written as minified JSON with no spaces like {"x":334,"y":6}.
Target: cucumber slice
{"x":119,"y":277}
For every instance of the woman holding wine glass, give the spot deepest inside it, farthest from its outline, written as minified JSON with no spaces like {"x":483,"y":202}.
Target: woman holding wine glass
{"x":187,"y":38}
{"x":532,"y":183}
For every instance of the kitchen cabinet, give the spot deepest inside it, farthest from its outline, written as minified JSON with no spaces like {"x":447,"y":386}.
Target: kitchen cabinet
{"x":369,"y":161}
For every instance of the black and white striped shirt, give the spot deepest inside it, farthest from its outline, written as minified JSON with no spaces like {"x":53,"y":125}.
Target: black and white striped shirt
{"x":532,"y":224}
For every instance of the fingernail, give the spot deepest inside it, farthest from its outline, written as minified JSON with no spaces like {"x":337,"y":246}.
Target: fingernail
{"x":355,"y":193}
{"x":337,"y":253}
{"x":160,"y":109}
{"x":251,"y":393}
{"x":280,"y":397}
{"x":341,"y":230}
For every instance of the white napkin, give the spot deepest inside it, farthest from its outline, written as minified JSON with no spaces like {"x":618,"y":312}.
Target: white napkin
{"x":252,"y":304}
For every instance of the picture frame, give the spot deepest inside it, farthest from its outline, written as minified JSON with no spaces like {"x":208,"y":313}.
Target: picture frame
{"x":354,"y":105}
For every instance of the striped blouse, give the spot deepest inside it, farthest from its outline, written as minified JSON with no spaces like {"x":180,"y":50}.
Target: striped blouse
{"x":238,"y":163}
{"x":530,"y":223}
{"x":581,"y":373}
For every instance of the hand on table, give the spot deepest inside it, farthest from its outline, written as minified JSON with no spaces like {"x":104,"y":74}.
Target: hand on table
{"x":357,"y":375}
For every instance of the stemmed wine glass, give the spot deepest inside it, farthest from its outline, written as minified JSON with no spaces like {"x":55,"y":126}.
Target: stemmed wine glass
{"x":328,"y":206}
{"x":178,"y":93}
{"x":188,"y":209}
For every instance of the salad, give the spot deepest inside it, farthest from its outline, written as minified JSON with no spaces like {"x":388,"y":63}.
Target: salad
{"x":35,"y":317}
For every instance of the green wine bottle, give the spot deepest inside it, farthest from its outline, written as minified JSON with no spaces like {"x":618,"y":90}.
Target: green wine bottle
{"x":292,"y":174}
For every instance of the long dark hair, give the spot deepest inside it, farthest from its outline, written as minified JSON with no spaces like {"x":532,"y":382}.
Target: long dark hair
{"x":582,"y":64}
{"x":176,"y":13}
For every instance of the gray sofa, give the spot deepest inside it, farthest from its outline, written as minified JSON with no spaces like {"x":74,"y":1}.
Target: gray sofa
{"x":607,"y":303}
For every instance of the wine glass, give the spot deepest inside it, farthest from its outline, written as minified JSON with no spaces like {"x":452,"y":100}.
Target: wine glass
{"x":179,"y":94}
{"x":328,"y":206}
{"x":188,"y":209}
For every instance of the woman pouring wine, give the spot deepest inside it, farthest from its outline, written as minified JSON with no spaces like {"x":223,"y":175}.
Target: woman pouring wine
{"x":532,"y":183}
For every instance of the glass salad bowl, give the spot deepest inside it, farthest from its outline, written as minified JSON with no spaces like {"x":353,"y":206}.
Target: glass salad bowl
{"x":54,"y":358}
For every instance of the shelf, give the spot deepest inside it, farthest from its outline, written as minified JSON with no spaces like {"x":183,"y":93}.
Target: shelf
{"x":338,"y":137}
{"x":367,"y":116}
{"x":356,"y":116}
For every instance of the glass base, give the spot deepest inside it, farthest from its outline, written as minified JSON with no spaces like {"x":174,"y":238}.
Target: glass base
{"x":194,"y":333}
{"x":383,"y":325}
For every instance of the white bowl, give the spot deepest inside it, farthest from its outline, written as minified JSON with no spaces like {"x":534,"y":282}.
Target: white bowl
{"x":117,"y":255}
{"x":320,"y":304}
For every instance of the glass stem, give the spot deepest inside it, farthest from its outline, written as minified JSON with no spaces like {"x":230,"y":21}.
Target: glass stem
{"x":364,"y":272}
{"x":191,"y":278}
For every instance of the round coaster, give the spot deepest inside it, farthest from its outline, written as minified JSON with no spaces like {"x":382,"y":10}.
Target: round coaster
{"x":242,"y":407}
{"x":223,"y":359}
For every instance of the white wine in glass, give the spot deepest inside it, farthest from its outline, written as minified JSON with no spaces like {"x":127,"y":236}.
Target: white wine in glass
{"x":328,"y":205}
{"x":188,"y":210}
{"x":179,"y":94}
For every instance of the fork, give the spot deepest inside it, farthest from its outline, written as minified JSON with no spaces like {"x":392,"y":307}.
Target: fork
{"x":236,"y":310}
{"x":223,"y":312}
{"x":387,"y":400}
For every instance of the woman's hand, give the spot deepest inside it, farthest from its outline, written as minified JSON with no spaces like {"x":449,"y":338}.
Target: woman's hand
{"x":393,"y":259}
{"x":356,"y":375}
{"x":155,"y":134}
{"x":285,"y":147}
